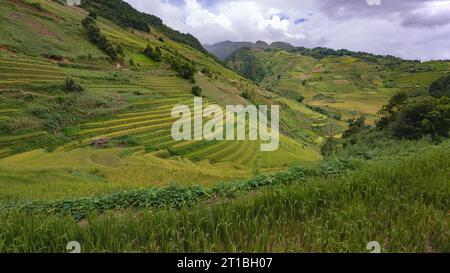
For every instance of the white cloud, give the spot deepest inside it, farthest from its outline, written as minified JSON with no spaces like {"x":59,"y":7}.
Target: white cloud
{"x":416,"y":29}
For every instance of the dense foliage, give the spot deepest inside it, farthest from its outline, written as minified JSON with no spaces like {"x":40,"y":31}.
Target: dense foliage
{"x":130,"y":17}
{"x":355,"y":126}
{"x":185,"y":70}
{"x":197,"y":91}
{"x":416,"y":117}
{"x":246,"y":63}
{"x":99,"y":39}
{"x":441,"y":87}
{"x":155,"y":55}
{"x":71,"y":86}
{"x":322,"y":52}
{"x":325,"y":112}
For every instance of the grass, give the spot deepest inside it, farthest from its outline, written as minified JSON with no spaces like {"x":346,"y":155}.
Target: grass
{"x":403,"y":205}
{"x":39,"y":175}
{"x":129,"y":103}
{"x":18,"y":138}
{"x":353,"y":87}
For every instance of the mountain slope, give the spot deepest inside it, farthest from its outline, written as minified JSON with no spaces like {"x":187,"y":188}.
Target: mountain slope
{"x":129,"y":17}
{"x":117,"y":130}
{"x":223,"y":50}
{"x":348,"y":85}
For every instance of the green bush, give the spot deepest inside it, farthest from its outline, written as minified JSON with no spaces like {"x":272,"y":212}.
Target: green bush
{"x":184,"y":69}
{"x":355,"y":126}
{"x":390,"y":84}
{"x":414,"y":118}
{"x":197,"y":91}
{"x":99,"y":39}
{"x":440,"y":88}
{"x":155,"y":55}
{"x":71,"y":86}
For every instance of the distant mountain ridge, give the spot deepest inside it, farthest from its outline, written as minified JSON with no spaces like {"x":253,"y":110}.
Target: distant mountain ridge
{"x":225,"y":49}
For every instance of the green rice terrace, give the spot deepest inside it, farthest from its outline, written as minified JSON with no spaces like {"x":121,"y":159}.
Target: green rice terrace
{"x":87,"y":151}
{"x":341,"y":86}
{"x":122,"y":118}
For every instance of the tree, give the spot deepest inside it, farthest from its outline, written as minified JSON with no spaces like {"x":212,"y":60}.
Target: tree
{"x":330,"y":145}
{"x":187,"y":71}
{"x":154,"y":55}
{"x":440,"y":88}
{"x":421,"y":117}
{"x":206,"y":72}
{"x":97,"y":38}
{"x":355,"y":126}
{"x":197,"y":91}
{"x":120,"y":51}
{"x":92,"y":14}
{"x":71,"y":86}
{"x":390,"y":111}
{"x":416,"y":117}
{"x":301,"y":99}
{"x":89,"y":20}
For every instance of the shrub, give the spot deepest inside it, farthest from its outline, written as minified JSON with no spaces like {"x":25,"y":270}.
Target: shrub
{"x":206,"y":72}
{"x":422,"y":117}
{"x":390,"y":84}
{"x":185,"y":70}
{"x":245,"y":95}
{"x":155,"y":55}
{"x":414,"y":118}
{"x":197,"y":91}
{"x":120,"y":51}
{"x":71,"y":86}
{"x":99,"y":39}
{"x":440,"y":88}
{"x":92,"y":14}
{"x":355,"y":126}
{"x":37,"y":6}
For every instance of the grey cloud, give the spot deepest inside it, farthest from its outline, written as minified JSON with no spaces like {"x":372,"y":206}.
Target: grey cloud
{"x":413,"y":29}
{"x":420,"y":19}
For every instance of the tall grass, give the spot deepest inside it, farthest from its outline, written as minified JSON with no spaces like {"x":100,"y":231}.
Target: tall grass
{"x":402,"y":205}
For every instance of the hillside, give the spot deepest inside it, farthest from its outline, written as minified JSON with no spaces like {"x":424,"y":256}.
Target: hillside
{"x":225,"y":49}
{"x":125,"y":103}
{"x":87,"y":151}
{"x":401,"y":202}
{"x":348,"y":85}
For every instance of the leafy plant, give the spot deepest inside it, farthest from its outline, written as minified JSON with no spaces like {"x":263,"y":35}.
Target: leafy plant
{"x":197,"y":91}
{"x":71,"y":86}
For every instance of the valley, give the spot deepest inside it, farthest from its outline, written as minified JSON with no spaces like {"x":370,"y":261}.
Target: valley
{"x":343,"y":85}
{"x":87,"y":150}
{"x":125,"y":104}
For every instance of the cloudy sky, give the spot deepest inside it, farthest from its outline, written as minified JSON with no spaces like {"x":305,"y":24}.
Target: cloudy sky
{"x":413,"y":29}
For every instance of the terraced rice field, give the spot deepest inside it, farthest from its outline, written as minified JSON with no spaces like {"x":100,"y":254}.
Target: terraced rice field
{"x":17,"y":71}
{"x":21,"y":138}
{"x":146,"y":122}
{"x":169,"y":86}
